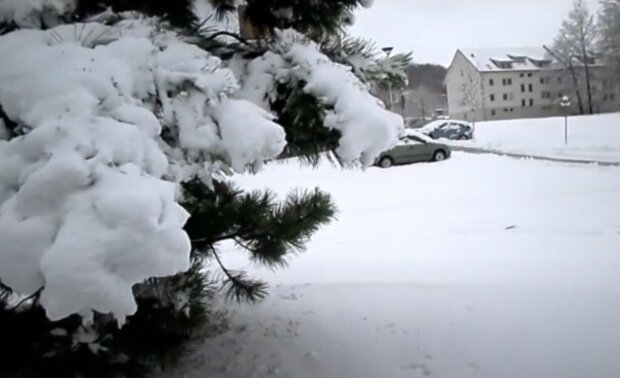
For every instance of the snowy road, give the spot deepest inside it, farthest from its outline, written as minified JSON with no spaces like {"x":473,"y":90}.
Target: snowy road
{"x":523,"y":155}
{"x":480,"y":266}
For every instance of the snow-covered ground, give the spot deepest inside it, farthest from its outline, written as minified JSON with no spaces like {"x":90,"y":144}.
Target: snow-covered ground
{"x":589,"y":137}
{"x":479,"y":266}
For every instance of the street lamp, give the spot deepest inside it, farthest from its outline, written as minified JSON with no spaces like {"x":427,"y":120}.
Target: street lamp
{"x":403,"y":101}
{"x":473,"y":123}
{"x":388,"y":50}
{"x":565,"y":103}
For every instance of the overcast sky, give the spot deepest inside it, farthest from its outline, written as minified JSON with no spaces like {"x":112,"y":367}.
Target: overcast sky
{"x":434,"y":29}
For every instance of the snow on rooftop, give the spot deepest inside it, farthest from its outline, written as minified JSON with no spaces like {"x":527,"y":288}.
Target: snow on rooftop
{"x":519,"y":58}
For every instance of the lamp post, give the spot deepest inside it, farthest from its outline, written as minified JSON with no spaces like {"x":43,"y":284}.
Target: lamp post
{"x":473,"y":123}
{"x":565,"y":103}
{"x":403,"y":101}
{"x":388,"y":50}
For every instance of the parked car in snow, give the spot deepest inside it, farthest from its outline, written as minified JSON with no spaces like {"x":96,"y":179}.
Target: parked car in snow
{"x":449,"y":129}
{"x":413,"y":148}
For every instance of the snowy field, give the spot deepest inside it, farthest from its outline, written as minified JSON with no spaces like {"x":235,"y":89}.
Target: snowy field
{"x":480,"y":266}
{"x":589,"y":137}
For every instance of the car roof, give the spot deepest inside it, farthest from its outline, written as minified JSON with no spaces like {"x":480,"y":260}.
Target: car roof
{"x":435,"y":124}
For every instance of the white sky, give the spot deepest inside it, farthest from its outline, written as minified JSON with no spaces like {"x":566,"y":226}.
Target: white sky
{"x":434,"y":29}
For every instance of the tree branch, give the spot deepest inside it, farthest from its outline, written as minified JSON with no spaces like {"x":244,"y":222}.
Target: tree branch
{"x":34,"y":296}
{"x":234,"y":235}
{"x":229,"y":34}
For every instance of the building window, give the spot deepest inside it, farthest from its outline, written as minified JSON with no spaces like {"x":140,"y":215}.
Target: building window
{"x":493,"y":112}
{"x":545,"y":94}
{"x":559,"y":79}
{"x":508,"y":97}
{"x":530,"y":87}
{"x":531,"y":102}
{"x":522,"y":87}
{"x":491,"y":82}
{"x":520,"y":75}
{"x":505,"y":110}
{"x":523,"y":102}
{"x":492,"y":97}
{"x":545,"y":80}
{"x":507,"y":81}
{"x":529,"y":75}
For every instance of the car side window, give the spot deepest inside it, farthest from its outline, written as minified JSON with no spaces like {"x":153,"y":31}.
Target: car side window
{"x":414,"y":140}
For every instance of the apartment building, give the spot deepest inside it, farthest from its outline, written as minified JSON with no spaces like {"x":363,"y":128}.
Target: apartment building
{"x":495,"y":84}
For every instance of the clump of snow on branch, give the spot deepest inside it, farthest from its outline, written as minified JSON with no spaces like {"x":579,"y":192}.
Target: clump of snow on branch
{"x":367,"y":128}
{"x":260,"y":76}
{"x":85,"y":209}
{"x":34,"y":13}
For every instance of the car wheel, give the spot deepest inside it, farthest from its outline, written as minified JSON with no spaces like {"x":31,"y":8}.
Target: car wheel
{"x":439,"y":156}
{"x":386,"y":162}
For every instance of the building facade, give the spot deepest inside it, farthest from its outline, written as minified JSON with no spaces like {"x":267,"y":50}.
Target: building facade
{"x":499,"y":84}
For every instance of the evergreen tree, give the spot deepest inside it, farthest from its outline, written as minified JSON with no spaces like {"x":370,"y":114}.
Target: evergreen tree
{"x":173,"y":312}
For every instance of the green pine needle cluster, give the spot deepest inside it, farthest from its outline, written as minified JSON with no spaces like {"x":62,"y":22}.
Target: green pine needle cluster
{"x":267,"y":229}
{"x":173,"y":313}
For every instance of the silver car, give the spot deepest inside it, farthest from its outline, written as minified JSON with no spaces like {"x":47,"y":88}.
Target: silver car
{"x":413,"y":148}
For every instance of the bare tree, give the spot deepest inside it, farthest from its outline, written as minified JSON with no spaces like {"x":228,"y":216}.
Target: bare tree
{"x":471,"y":95}
{"x":577,"y":40}
{"x":568,"y":71}
{"x":609,"y":27}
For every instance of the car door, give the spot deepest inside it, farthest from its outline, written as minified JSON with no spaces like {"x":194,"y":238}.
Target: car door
{"x":400,"y":153}
{"x":418,"y":150}
{"x":439,"y":132}
{"x":452,"y":131}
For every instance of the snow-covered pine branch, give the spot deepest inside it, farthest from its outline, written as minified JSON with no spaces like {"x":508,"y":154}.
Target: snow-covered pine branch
{"x":86,"y":209}
{"x":114,"y":118}
{"x":367,"y":128}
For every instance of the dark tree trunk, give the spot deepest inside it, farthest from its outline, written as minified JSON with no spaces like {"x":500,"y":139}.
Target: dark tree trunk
{"x":571,"y":69}
{"x":587,"y":69}
{"x":573,"y":74}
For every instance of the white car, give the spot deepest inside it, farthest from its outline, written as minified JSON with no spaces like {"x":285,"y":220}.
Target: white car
{"x":449,"y":129}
